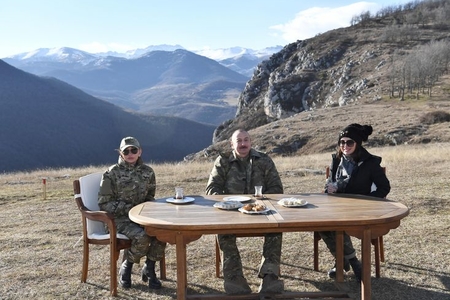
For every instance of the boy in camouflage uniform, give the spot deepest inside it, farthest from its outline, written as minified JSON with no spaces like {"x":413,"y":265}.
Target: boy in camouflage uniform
{"x":239,"y":172}
{"x":124,"y":185}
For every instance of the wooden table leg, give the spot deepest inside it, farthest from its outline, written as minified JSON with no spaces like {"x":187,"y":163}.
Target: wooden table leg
{"x":339,"y":256}
{"x":366,"y":287}
{"x":181,"y":267}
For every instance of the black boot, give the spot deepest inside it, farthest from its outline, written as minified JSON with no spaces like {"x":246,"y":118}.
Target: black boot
{"x":332,"y":271}
{"x":125,"y":274}
{"x":356,"y":266}
{"x":148,"y":274}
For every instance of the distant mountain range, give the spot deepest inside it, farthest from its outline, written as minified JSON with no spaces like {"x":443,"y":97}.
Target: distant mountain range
{"x":162,"y":80}
{"x":65,"y":107}
{"x":221,"y":55}
{"x":47,"y":123}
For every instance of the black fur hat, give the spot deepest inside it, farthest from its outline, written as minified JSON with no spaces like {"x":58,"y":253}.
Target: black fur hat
{"x":358,"y":133}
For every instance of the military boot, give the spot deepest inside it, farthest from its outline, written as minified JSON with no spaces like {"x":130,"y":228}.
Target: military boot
{"x":357,"y":268}
{"x":125,"y":274}
{"x":236,"y":285}
{"x":148,"y":275}
{"x":271,"y":284}
{"x":332,"y":271}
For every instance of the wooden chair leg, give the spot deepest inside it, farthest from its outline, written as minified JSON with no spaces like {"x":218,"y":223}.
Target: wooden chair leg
{"x":317,"y":238}
{"x":84,"y":269}
{"x":376,"y":247}
{"x":218,"y":259}
{"x":113,"y":257}
{"x":380,"y":241}
{"x":162,"y":268}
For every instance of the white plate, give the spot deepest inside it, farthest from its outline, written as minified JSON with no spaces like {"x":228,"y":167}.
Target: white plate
{"x":292,"y":202}
{"x":228,"y":205}
{"x":237,"y":198}
{"x":180,"y":201}
{"x":252,"y":212}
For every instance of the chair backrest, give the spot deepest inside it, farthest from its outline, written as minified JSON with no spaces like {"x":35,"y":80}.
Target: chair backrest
{"x":89,"y":187}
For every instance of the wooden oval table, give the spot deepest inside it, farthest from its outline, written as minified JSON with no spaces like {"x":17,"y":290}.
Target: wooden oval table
{"x":363,"y":217}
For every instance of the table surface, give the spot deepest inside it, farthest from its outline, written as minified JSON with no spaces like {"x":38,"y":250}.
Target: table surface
{"x":338,"y":211}
{"x":360,"y":216}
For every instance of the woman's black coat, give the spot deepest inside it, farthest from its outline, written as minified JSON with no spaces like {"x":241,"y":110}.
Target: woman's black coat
{"x":367,"y":171}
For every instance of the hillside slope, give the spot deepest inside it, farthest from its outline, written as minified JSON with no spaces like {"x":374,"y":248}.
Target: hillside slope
{"x":47,"y":123}
{"x":394,"y":123}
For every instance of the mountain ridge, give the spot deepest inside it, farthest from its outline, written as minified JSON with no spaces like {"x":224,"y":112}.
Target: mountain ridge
{"x":215,"y":54}
{"x":154,"y":77}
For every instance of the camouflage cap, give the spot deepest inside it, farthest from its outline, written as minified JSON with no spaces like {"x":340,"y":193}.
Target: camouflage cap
{"x":129,"y":141}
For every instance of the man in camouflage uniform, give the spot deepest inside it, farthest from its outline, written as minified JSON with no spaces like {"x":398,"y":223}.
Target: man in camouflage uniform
{"x":239,"y":172}
{"x":124,"y":185}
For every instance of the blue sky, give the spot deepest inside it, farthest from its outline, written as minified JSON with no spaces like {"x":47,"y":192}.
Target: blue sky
{"x":100,"y":25}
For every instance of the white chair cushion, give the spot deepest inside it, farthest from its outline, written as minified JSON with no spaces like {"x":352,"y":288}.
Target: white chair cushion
{"x":89,"y":188}
{"x":105,"y":236}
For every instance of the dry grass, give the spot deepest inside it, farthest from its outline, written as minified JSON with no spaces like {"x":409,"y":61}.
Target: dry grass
{"x":41,"y":256}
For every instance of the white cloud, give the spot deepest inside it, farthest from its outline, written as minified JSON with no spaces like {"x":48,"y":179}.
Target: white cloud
{"x":221,"y":53}
{"x":315,"y":20}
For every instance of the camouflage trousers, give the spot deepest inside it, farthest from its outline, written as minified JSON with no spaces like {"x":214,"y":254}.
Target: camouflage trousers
{"x":329,"y":237}
{"x":232,"y":264}
{"x":141,"y":244}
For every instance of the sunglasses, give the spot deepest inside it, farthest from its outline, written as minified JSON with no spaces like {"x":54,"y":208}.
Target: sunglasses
{"x":349,"y":143}
{"x":132,"y":150}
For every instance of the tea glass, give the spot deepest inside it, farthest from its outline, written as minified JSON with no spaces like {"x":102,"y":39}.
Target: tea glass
{"x":179,"y":193}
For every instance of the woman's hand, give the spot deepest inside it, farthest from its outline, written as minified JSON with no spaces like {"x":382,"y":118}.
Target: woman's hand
{"x":332,"y":187}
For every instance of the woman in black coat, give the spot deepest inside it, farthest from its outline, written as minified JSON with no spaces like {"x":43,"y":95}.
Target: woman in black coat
{"x":353,"y":171}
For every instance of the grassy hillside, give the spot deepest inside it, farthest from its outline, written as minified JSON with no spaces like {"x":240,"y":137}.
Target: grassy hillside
{"x":47,"y":123}
{"x":41,"y":253}
{"x":309,"y":132}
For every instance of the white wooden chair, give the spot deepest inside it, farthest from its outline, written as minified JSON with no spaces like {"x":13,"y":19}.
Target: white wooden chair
{"x":86,"y":196}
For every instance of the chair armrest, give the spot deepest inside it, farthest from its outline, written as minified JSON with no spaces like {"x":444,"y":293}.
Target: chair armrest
{"x":98,"y":215}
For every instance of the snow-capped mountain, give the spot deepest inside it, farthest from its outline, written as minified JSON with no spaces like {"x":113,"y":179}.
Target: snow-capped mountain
{"x":62,"y":55}
{"x":157,"y":79}
{"x":241,"y":60}
{"x":238,"y":59}
{"x":234,"y":52}
{"x":135,"y":53}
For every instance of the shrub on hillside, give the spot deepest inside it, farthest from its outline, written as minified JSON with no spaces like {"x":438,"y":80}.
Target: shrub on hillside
{"x":435,"y":117}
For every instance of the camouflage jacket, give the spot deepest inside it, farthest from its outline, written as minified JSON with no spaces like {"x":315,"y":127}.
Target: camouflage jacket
{"x":230,"y":175}
{"x":124,"y":186}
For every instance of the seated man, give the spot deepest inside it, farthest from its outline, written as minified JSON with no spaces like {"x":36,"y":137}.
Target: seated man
{"x":239,"y":172}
